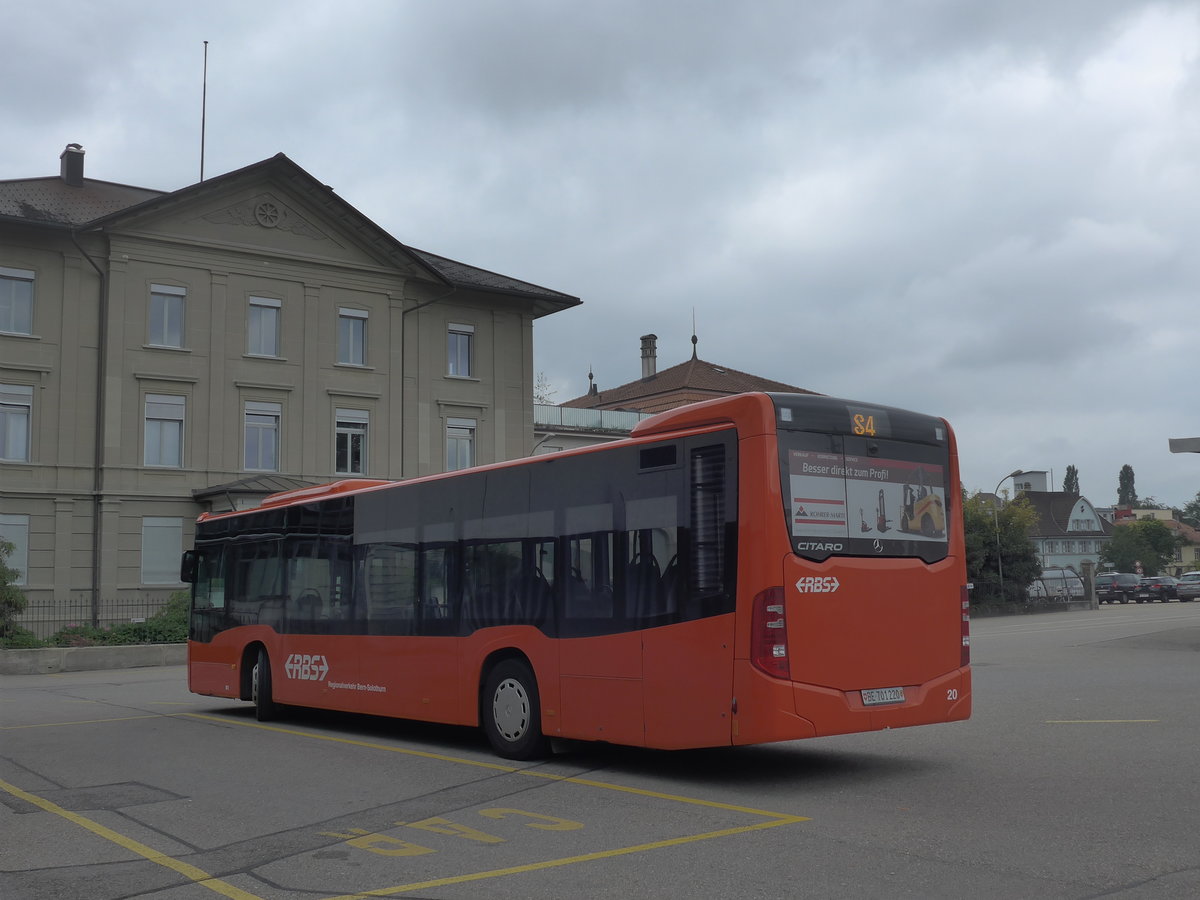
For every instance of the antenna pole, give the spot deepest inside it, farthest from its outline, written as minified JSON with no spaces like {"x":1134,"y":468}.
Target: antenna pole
{"x":203,"y":109}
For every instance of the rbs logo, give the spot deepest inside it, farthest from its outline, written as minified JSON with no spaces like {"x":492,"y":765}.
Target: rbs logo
{"x":815,"y":584}
{"x":306,"y":668}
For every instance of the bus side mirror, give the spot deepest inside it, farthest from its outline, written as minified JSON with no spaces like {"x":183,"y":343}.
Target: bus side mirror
{"x":187,"y":567}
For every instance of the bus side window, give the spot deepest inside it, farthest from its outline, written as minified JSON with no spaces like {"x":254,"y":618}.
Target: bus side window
{"x":588,"y":592}
{"x":436,"y":593}
{"x":257,"y":596}
{"x":652,"y":554}
{"x":390,"y":572}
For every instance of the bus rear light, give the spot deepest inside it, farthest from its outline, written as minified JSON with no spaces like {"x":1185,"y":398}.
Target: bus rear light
{"x":768,"y":638}
{"x":965,"y":659}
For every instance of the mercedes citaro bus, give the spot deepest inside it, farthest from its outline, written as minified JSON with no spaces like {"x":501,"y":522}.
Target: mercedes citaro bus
{"x":737,"y":571}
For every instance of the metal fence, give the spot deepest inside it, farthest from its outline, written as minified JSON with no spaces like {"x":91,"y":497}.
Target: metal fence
{"x":45,"y":618}
{"x":545,"y":416}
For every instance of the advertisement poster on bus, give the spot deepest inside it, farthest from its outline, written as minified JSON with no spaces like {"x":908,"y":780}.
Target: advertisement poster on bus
{"x":836,"y":496}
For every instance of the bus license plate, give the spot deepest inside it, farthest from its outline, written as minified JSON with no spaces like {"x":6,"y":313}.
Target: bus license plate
{"x":880,"y":696}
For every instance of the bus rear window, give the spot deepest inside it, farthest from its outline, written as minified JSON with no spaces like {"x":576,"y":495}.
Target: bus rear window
{"x":853,"y":496}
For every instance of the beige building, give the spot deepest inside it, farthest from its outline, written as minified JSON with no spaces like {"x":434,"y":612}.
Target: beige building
{"x":165,"y":353}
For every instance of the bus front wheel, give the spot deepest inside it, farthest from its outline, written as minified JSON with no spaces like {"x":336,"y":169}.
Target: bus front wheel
{"x":512,"y":715}
{"x":265,"y":707}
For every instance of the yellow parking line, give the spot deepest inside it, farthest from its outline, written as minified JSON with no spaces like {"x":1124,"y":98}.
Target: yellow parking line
{"x":502,"y":767}
{"x":569,"y":860}
{"x":79,"y":722}
{"x":774,"y":819}
{"x":187,"y":870}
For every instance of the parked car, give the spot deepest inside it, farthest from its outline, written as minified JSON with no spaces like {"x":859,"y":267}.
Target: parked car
{"x":1057,"y":584}
{"x":1116,"y":587}
{"x":1157,"y":587}
{"x":1188,"y":587}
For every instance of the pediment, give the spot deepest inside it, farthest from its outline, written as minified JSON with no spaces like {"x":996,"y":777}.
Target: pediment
{"x":269,"y":211}
{"x":273,"y":215}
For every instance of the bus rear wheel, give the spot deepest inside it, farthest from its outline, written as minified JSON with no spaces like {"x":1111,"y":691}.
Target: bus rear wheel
{"x":265,"y":707}
{"x":512,"y":714}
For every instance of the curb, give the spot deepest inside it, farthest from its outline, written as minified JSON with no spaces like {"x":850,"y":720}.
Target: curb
{"x":49,"y":660}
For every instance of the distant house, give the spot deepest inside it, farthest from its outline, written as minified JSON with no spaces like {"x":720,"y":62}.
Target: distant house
{"x":606,"y":415}
{"x":1069,"y":531}
{"x":1187,"y":556}
{"x":688,"y":382}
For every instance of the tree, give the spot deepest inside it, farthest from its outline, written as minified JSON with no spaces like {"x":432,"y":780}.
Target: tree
{"x":12,"y":601}
{"x":1146,"y":541}
{"x":1126,"y":493}
{"x":999,"y":548}
{"x":1071,"y":481}
{"x":542,"y":391}
{"x":1191,"y":511}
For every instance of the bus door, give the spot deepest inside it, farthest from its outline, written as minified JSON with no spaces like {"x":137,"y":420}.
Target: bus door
{"x":600,"y":654}
{"x":687,"y":629}
{"x":409,"y":664}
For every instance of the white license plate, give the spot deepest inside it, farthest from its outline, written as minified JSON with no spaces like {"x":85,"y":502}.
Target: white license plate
{"x":880,"y":696}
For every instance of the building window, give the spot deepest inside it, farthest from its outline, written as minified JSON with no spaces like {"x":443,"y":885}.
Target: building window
{"x":166,"y":315}
{"x":460,"y":444}
{"x":164,"y":430}
{"x":162,"y":545}
{"x":458,"y":350}
{"x":15,"y":530}
{"x":350,"y":442}
{"x":352,"y":337}
{"x":262,"y":436}
{"x":16,"y":411}
{"x":16,"y":301}
{"x":262,"y":327}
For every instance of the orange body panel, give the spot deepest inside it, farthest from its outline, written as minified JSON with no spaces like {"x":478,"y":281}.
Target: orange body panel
{"x":888,"y":623}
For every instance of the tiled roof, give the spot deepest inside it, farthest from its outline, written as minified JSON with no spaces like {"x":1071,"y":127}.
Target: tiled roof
{"x":685,"y":383}
{"x":51,"y":201}
{"x":461,"y":273}
{"x":1054,"y":510}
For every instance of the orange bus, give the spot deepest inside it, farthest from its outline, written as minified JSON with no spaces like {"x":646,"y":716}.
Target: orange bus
{"x":727,"y":575}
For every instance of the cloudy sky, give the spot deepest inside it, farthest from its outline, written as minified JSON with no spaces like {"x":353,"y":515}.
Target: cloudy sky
{"x":987,"y":211}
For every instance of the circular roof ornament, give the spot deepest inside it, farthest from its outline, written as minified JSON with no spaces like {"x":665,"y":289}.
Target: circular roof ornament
{"x":267,"y":214}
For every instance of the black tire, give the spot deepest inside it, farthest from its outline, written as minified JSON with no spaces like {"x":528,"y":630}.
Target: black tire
{"x":512,"y":711}
{"x":927,"y":525}
{"x":265,"y":707}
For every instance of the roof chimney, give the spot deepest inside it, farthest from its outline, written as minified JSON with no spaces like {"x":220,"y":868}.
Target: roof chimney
{"x":649,"y":355}
{"x":72,"y":165}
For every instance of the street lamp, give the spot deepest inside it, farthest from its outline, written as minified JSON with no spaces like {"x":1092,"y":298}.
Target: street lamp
{"x":996,"y":519}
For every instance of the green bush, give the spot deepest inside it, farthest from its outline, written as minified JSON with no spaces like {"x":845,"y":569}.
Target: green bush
{"x":167,"y":626}
{"x":19,"y":638}
{"x":12,"y":601}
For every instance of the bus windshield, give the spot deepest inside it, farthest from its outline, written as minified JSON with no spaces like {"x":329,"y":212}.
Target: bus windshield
{"x":879,"y":493}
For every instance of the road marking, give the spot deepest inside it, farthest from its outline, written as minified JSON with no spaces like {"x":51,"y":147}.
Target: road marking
{"x":500,"y":767}
{"x":570,"y":860}
{"x":774,"y":819}
{"x":1101,"y":721}
{"x":81,"y":722}
{"x":193,"y":874}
